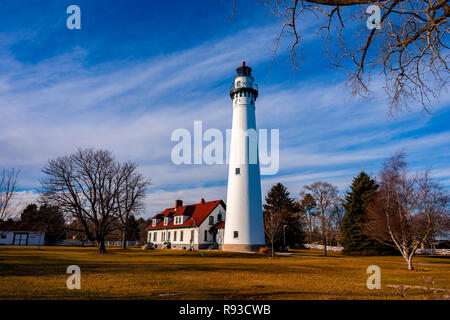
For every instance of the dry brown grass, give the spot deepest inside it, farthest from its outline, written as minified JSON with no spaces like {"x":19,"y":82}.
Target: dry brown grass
{"x":31,"y":273}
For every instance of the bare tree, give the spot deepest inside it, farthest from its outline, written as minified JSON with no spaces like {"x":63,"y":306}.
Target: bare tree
{"x":337,"y":214}
{"x":87,"y":185}
{"x":307,"y":206}
{"x":409,"y":49}
{"x":8,"y":188}
{"x":325,"y":197}
{"x":273,"y":227}
{"x":407,"y":209}
{"x":130,"y":198}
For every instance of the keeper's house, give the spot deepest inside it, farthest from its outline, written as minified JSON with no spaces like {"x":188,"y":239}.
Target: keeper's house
{"x":16,"y":233}
{"x":194,"y":226}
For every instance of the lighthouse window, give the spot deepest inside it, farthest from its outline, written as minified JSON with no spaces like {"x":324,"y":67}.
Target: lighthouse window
{"x":238,"y":84}
{"x":235,"y":234}
{"x":238,"y":171}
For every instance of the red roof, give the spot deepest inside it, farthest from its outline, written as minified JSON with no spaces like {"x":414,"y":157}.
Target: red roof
{"x":196,"y":214}
{"x":20,"y":226}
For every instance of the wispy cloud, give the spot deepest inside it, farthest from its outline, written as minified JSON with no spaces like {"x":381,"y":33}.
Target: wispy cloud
{"x":131,"y":107}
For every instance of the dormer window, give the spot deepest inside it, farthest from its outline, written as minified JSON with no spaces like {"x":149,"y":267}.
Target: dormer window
{"x":154,"y":222}
{"x":166,"y":221}
{"x":178,"y":219}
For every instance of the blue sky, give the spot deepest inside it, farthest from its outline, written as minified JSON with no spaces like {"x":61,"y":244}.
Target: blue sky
{"x":137,"y":70}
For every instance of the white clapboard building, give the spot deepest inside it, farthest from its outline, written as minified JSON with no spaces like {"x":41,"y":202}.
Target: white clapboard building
{"x":16,"y":233}
{"x":193,"y":226}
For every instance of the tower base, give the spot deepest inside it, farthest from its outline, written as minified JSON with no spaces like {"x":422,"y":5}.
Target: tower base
{"x":242,"y":247}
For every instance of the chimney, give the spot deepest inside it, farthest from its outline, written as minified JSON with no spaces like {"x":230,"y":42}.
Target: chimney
{"x":202,"y":200}
{"x":178,"y":203}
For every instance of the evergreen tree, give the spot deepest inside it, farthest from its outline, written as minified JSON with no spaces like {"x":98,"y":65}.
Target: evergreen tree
{"x":133,"y":229}
{"x":48,"y":216}
{"x":354,"y":238}
{"x":279,"y":202}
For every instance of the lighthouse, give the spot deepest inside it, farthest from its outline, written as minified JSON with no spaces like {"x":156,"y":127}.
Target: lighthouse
{"x":244,"y":227}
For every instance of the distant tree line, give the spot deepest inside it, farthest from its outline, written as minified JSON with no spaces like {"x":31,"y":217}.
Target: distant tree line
{"x":399,"y":212}
{"x":88,"y":195}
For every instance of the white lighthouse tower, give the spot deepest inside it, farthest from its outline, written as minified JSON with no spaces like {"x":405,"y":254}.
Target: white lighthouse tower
{"x":244,"y":227}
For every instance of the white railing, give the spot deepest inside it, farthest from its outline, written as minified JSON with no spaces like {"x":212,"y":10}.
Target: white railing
{"x":119,"y":243}
{"x":438,"y":252}
{"x":320,"y":247}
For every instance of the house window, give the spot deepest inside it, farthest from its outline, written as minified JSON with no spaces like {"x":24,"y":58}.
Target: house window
{"x":163,"y":236}
{"x":181,"y":235}
{"x":2,"y":236}
{"x":206,"y":235}
{"x":219,"y":217}
{"x":192,"y":235}
{"x":168,"y":236}
{"x":235,"y":234}
{"x":211,"y":220}
{"x":154,"y":236}
{"x":238,"y":171}
{"x":174,"y":236}
{"x":166,"y":221}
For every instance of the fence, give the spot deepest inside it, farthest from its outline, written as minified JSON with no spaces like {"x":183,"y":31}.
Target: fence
{"x":438,"y":252}
{"x":320,"y":247}
{"x":119,"y":243}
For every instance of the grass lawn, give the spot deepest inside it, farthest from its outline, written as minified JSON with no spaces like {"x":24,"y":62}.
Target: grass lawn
{"x":31,"y":273}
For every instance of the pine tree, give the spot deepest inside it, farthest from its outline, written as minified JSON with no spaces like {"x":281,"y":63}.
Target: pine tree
{"x":354,"y":238}
{"x":279,"y":202}
{"x":50,"y":217}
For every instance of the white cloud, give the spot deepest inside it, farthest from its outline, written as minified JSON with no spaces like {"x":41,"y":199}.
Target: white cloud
{"x":130,"y":108}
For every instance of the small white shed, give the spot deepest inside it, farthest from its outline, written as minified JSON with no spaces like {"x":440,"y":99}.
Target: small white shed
{"x":16,"y":233}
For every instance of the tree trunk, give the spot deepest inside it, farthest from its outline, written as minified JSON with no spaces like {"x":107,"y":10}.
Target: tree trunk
{"x":272,"y":246}
{"x":101,"y":246}
{"x":124,"y":238}
{"x":410,"y":262}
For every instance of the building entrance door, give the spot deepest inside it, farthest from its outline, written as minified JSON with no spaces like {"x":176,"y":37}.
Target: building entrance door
{"x":20,"y":239}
